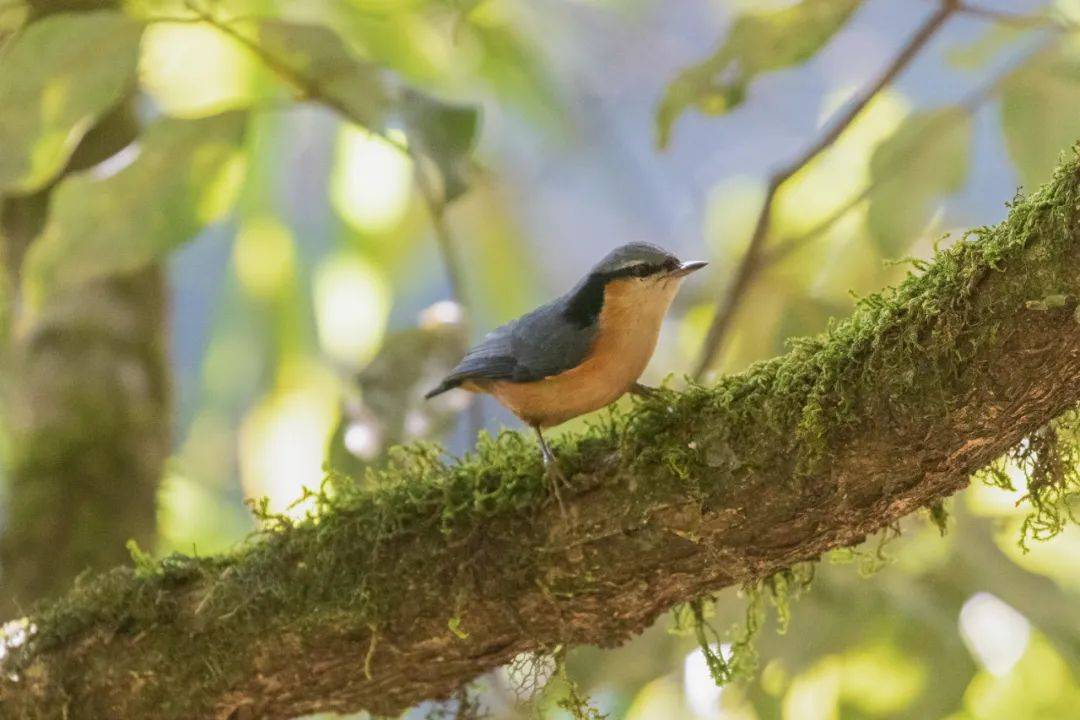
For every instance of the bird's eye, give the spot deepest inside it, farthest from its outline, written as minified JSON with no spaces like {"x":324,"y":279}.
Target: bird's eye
{"x":641,"y":270}
{"x":671,"y":264}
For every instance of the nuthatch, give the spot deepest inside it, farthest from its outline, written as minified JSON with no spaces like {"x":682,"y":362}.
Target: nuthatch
{"x":581,"y":351}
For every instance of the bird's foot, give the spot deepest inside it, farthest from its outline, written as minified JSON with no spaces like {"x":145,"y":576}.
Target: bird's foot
{"x":644,"y":391}
{"x":556,"y":478}
{"x":554,"y":475}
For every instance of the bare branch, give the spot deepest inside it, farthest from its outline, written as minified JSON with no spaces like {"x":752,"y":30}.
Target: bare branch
{"x":750,"y":263}
{"x":970,"y":104}
{"x":436,"y":207}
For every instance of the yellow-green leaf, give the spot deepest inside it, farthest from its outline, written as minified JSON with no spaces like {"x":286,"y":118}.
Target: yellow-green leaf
{"x":1040,"y":113}
{"x":186,"y":175}
{"x":319,"y":55}
{"x":332,"y":73}
{"x":757,"y":43}
{"x":57,"y":78}
{"x":926,"y":158}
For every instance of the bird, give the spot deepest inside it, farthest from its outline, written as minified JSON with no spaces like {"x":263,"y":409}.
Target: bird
{"x":583,"y":350}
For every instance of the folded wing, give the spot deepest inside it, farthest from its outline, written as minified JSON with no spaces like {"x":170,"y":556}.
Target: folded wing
{"x":535,"y":346}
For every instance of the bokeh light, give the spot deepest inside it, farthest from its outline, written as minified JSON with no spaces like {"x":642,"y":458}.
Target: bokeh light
{"x":994,"y":632}
{"x":352,"y":302}
{"x":283,"y":440}
{"x":371,"y":181}
{"x":192,"y":70}
{"x":264,"y":256}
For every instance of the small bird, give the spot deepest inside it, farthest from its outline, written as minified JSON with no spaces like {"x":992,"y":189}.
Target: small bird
{"x":581,"y":351}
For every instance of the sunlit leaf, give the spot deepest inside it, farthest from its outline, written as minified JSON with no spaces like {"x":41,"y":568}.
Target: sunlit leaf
{"x":319,"y":66}
{"x":194,"y":70}
{"x":827,"y":183}
{"x":758,"y":42}
{"x":1040,"y":113}
{"x":442,"y":131}
{"x":186,"y":175}
{"x":57,"y":78}
{"x":927,"y":158}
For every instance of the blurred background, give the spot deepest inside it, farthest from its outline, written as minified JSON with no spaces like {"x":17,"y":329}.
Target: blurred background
{"x":310,"y":301}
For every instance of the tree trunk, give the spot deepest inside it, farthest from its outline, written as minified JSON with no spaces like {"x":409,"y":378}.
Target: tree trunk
{"x":87,"y":405}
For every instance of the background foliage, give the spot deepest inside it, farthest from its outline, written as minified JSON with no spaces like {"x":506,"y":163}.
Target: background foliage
{"x":323,"y":176}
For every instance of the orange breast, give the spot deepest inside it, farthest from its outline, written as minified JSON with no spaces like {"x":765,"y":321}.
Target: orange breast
{"x":628,"y":327}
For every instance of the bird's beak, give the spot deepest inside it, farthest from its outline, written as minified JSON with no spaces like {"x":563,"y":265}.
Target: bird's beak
{"x":688,"y":267}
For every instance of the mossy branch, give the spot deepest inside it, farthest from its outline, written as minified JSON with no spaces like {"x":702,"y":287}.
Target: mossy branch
{"x":384,"y":598}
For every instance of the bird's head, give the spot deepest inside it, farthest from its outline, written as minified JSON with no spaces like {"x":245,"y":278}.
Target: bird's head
{"x":647,"y":264}
{"x":639,"y":279}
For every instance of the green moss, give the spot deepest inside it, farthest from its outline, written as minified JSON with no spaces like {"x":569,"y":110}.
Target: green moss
{"x":572,"y":700}
{"x":740,"y":660}
{"x":870,"y":559}
{"x":1049,"y":462}
{"x":939,"y":515}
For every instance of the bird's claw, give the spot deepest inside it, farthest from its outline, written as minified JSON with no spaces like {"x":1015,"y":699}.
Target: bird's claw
{"x":644,"y":391}
{"x":555,"y":478}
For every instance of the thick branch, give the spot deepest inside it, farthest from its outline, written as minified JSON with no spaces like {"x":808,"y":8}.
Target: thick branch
{"x":751,"y":260}
{"x":446,"y":571}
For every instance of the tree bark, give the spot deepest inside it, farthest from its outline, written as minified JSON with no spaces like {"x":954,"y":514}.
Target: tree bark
{"x":86,"y":403}
{"x":448,"y":570}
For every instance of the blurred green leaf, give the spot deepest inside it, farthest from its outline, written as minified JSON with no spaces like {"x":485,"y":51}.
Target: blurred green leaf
{"x":757,"y":43}
{"x":926,"y":158}
{"x":318,"y":63}
{"x":12,"y":17}
{"x":328,"y":67}
{"x":444,"y":132}
{"x":57,"y":78}
{"x":513,"y":65}
{"x":186,"y":175}
{"x":977,"y":54}
{"x":1040,"y":113}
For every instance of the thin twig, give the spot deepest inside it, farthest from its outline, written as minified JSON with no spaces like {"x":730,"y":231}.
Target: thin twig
{"x":969,"y":104}
{"x":1019,"y":20}
{"x":748,"y":267}
{"x":436,"y":207}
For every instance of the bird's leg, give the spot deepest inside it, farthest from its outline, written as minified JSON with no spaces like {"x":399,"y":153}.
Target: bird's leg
{"x":644,"y":391}
{"x":551,"y":468}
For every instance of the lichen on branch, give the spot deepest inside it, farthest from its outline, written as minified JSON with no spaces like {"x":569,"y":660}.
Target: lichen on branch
{"x":447,"y":568}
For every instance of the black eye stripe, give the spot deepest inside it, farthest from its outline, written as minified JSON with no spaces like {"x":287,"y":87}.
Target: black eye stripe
{"x":641,"y":269}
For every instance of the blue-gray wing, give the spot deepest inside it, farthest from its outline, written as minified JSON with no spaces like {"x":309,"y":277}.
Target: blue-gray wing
{"x":535,"y":346}
{"x":546,"y":343}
